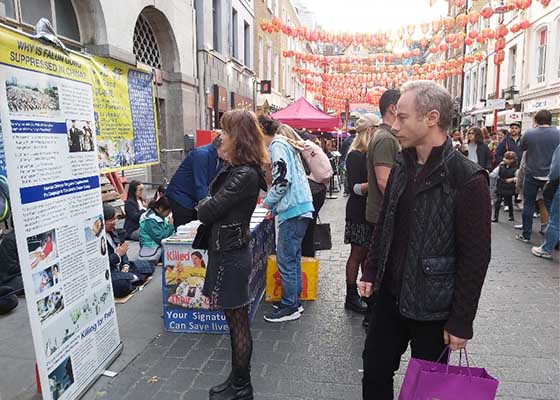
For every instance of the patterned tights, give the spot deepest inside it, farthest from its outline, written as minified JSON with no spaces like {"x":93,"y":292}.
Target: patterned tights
{"x":240,"y":336}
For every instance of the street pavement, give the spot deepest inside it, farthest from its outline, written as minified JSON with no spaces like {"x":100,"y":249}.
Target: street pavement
{"x":319,"y":356}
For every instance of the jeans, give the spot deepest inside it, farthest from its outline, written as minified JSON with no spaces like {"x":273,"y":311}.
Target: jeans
{"x":531,"y":187}
{"x":290,"y":236}
{"x":553,"y":232}
{"x":387,"y":340}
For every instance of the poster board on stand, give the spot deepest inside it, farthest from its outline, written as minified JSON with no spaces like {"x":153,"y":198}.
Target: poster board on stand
{"x":46,"y":115}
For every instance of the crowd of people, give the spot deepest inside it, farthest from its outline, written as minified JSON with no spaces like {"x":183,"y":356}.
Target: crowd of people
{"x":421,"y":199}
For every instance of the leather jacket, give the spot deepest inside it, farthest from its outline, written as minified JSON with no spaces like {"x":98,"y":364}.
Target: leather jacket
{"x":429,"y":272}
{"x":233,"y":197}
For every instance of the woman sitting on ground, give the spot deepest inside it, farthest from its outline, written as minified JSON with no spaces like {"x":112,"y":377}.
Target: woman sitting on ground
{"x":125,"y":274}
{"x":154,"y":227}
{"x":134,"y":208}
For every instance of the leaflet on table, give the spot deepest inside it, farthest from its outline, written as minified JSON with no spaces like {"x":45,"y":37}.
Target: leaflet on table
{"x":125,"y":115}
{"x":51,"y":165}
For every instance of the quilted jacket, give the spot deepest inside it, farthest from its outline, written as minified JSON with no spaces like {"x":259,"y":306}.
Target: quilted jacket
{"x":429,"y":272}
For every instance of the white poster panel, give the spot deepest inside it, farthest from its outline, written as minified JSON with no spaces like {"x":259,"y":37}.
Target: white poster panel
{"x":53,"y":175}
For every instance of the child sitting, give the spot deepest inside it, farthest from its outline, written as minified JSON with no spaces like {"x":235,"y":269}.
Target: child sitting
{"x":154,"y":227}
{"x":505,"y":189}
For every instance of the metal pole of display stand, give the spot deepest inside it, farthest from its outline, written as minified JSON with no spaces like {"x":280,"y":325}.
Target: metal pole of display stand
{"x":331,"y":187}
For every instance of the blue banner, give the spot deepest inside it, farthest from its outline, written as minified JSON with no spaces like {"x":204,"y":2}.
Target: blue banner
{"x":33,"y":194}
{"x":38,"y":127}
{"x":143,"y":118}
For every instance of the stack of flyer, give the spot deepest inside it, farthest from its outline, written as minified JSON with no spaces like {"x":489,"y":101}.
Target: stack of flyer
{"x":186,"y":232}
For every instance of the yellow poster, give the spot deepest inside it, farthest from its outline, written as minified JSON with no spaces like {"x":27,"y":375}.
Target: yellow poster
{"x":125,"y":116}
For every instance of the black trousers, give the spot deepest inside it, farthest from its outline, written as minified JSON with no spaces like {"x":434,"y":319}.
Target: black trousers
{"x":508,"y":201}
{"x":387,"y":340}
{"x":181,"y":215}
{"x":308,"y":244}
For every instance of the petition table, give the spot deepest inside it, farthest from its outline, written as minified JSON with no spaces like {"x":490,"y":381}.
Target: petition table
{"x":184,"y":308}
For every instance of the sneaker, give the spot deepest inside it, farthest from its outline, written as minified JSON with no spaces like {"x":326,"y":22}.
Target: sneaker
{"x":282,"y":314}
{"x":518,"y":227}
{"x":539,"y":252}
{"x":494,"y":219}
{"x":522,"y":238}
{"x":506,"y":208}
{"x":276,"y":306}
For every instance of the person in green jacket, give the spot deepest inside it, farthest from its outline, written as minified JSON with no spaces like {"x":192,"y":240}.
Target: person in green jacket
{"x":154,"y":227}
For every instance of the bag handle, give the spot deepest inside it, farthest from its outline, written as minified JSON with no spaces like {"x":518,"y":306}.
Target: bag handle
{"x":460,"y":361}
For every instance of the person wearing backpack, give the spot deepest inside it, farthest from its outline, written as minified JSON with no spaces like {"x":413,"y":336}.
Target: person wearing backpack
{"x":289,"y":198}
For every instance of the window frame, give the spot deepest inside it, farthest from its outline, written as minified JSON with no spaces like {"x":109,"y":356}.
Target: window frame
{"x":540,"y":79}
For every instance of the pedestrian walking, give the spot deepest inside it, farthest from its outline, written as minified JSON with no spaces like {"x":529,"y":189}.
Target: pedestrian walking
{"x":289,"y":198}
{"x":477,"y":150}
{"x":539,"y":144}
{"x":233,"y":198}
{"x":358,"y":230}
{"x":553,"y":231}
{"x":431,"y":247}
{"x":510,"y":143}
{"x":190,"y":182}
{"x":505,"y":189}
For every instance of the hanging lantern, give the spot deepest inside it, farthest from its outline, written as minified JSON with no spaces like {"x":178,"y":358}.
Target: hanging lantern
{"x":459,"y":3}
{"x":264,"y":26}
{"x":545,"y":3}
{"x":443,"y":47}
{"x":523,"y":4}
{"x":469,"y":41}
{"x":524,"y":24}
{"x":473,"y":34}
{"x":410,"y":29}
{"x":437,"y":39}
{"x":499,"y":57}
{"x":424,"y":42}
{"x":501,"y":31}
{"x":449,"y":23}
{"x":473,"y":17}
{"x":500,"y":44}
{"x":462,"y":20}
{"x":514,"y":28}
{"x":450,"y":38}
{"x":469,"y":59}
{"x":424,"y":27}
{"x":487,"y":11}
{"x":456,"y":45}
{"x":436,"y":25}
{"x":480,"y":40}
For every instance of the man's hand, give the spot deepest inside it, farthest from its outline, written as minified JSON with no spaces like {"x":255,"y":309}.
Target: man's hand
{"x":122,"y":249}
{"x":454,"y":342}
{"x":365,"y":288}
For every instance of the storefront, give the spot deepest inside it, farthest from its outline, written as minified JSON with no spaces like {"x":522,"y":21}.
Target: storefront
{"x":241,"y":102}
{"x":220,"y":104}
{"x":550,"y":103}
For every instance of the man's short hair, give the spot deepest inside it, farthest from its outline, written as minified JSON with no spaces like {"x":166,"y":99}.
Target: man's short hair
{"x":388,"y":98}
{"x":431,"y":96}
{"x":543,"y":117}
{"x":510,"y":155}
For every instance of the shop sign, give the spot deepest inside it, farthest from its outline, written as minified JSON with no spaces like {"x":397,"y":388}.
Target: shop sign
{"x":220,"y":99}
{"x":550,"y":102}
{"x":241,"y":102}
{"x":496,"y":104}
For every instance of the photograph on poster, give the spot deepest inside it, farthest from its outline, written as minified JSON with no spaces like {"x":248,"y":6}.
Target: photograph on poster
{"x":46,"y":279}
{"x":80,"y":136}
{"x":42,"y":249}
{"x":61,"y":378}
{"x":31,"y":94}
{"x":184,"y":282}
{"x":93,"y":229}
{"x":50,"y":305}
{"x":116,"y":154}
{"x":103,"y":246}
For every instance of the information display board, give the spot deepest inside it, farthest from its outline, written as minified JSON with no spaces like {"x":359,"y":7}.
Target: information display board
{"x":47,"y":120}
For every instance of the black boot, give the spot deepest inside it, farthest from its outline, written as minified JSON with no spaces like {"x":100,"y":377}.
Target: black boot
{"x":353,"y":300}
{"x":238,"y":388}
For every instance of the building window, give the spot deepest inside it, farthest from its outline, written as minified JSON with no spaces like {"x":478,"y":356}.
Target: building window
{"x":234,"y":39}
{"x":261,"y":58}
{"x":9,"y":7}
{"x":275,"y":84}
{"x":247,"y":43}
{"x":475,"y":88}
{"x":541,"y":54}
{"x":512,"y":65}
{"x":284,"y":78}
{"x":467,"y":95}
{"x":484,"y":77}
{"x":65,"y":24}
{"x":146,"y":48}
{"x":269,"y":63}
{"x":277,"y":8}
{"x":216,"y":25}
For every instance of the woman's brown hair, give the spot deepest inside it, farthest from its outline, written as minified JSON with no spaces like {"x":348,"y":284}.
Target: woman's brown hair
{"x":246,"y":138}
{"x":478,"y":136}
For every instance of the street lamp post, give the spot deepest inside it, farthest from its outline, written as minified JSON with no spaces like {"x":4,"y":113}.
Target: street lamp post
{"x":501,"y":9}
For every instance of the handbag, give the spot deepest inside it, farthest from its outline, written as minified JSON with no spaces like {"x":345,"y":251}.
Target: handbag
{"x":202,"y":238}
{"x":322,"y":236}
{"x":549,"y":189}
{"x":432,"y":380}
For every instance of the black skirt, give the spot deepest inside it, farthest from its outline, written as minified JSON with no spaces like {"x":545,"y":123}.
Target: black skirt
{"x":358,"y":234}
{"x":227,"y":278}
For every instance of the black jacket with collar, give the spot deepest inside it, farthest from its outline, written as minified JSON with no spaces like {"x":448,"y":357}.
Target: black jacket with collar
{"x":233,"y":197}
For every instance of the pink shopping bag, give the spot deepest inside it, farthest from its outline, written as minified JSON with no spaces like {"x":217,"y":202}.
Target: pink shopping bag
{"x":427,"y":380}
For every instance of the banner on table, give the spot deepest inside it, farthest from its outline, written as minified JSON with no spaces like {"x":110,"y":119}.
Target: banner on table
{"x":47,"y":120}
{"x":125,"y":116}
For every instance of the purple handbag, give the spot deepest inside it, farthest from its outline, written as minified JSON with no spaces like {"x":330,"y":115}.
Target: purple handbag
{"x":427,"y":380}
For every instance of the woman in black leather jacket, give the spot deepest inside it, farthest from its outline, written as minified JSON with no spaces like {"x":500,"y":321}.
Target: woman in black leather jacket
{"x":233,"y":197}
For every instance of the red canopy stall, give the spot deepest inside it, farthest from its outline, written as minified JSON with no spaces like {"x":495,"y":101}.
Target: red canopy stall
{"x":302,"y":114}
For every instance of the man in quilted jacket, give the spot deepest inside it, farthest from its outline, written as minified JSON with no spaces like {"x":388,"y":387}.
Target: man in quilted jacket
{"x":431,"y":247}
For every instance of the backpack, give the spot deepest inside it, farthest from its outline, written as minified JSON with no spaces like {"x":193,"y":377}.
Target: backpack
{"x":317,"y":161}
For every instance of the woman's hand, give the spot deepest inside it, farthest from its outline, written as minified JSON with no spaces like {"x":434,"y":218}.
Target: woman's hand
{"x":122,"y":249}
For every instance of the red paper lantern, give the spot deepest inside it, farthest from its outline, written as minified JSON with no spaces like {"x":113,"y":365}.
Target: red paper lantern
{"x":499,"y":57}
{"x":436,"y":25}
{"x":462,"y":20}
{"x":501,"y":31}
{"x":524,"y":24}
{"x":457,"y":44}
{"x":515,"y":28}
{"x":443,"y":47}
{"x":450,"y":38}
{"x":545,"y":3}
{"x":487,"y":11}
{"x":500,"y":44}
{"x":449,"y":23}
{"x":473,"y":34}
{"x":459,"y":3}
{"x":480,"y":39}
{"x":437,"y":39}
{"x":523,"y":4}
{"x":433,"y":49}
{"x":473,"y":17}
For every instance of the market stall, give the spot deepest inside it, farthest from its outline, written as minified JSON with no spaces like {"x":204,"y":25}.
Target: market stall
{"x":184,"y":307}
{"x":301,"y":114}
